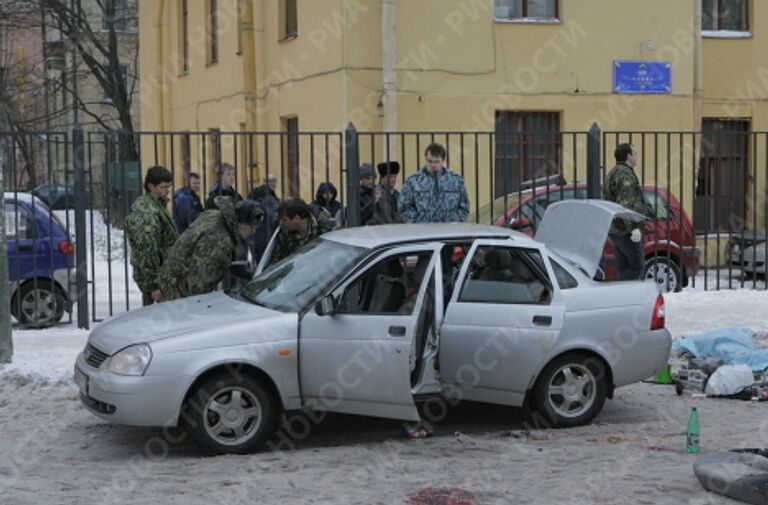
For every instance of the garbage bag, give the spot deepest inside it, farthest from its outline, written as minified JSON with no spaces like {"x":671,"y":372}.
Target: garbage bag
{"x":729,"y":380}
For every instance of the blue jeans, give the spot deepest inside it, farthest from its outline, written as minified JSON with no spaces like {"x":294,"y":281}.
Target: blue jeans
{"x":629,"y":257}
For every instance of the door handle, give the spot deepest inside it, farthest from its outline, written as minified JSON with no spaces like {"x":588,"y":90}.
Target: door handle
{"x":397,"y":331}
{"x":542,"y":320}
{"x":25,"y":247}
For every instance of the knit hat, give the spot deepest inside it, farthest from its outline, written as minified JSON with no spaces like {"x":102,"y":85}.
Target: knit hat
{"x":366,"y":170}
{"x":248,"y":212}
{"x":388,"y":168}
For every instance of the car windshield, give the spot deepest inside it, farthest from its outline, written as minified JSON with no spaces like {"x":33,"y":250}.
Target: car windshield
{"x":291,"y":284}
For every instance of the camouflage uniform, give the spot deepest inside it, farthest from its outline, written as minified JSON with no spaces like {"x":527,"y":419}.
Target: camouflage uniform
{"x":151,"y":233}
{"x":287,"y":243}
{"x":201,"y":257}
{"x":434,"y":198}
{"x":624,"y":188}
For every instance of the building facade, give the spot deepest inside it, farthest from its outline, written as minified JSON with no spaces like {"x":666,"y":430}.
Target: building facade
{"x":528,"y":71}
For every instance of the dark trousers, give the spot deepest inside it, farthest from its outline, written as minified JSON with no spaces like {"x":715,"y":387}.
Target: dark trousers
{"x":629,"y":257}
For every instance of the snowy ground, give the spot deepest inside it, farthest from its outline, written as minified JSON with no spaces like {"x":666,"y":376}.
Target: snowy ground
{"x":55,"y":452}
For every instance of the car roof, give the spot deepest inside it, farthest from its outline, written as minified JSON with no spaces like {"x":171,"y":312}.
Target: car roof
{"x":24,"y":197}
{"x":391,"y":234}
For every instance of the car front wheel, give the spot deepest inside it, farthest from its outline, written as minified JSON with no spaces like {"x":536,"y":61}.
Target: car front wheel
{"x":664,"y":272}
{"x":38,"y":304}
{"x":231,"y":414}
{"x":571,"y":390}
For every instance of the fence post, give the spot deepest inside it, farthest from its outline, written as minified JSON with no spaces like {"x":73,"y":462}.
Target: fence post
{"x":81,"y":251}
{"x":6,"y":339}
{"x":593,"y":163}
{"x":353,"y":175}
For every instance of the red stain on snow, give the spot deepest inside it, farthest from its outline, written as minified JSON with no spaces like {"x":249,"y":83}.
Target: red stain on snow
{"x":440,"y":496}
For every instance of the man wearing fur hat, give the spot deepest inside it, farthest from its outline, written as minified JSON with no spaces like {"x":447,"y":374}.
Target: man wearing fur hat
{"x":386,"y":205}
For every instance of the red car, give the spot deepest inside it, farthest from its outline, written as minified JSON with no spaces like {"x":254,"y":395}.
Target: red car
{"x":669,"y":242}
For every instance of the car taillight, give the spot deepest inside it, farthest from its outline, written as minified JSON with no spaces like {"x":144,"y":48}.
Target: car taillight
{"x":67,"y":247}
{"x":657,"y":320}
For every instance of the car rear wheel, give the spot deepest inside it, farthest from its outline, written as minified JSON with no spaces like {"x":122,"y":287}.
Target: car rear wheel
{"x":571,"y":390}
{"x":665,"y":272}
{"x":231,"y":414}
{"x":39,"y":304}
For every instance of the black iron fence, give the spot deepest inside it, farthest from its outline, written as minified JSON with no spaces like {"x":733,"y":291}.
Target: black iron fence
{"x":707,"y":190}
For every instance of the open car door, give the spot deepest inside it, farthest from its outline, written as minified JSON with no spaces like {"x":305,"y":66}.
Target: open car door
{"x":358,"y":357}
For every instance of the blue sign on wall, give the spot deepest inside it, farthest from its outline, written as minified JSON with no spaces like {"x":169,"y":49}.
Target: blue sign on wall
{"x":642,"y":77}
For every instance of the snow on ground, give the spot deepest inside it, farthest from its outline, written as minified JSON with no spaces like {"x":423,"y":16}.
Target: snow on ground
{"x":55,"y":452}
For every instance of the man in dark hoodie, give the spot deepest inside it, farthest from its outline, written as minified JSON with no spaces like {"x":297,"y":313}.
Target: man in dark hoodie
{"x":325,"y":200}
{"x":267,"y":199}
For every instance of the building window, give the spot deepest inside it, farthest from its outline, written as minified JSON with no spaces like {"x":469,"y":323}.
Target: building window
{"x":721,"y":182}
{"x":288,"y":18}
{"x":724,"y":15}
{"x":114,"y":14}
{"x":184,"y":35}
{"x":526,"y":9}
{"x":290,"y":152}
{"x":213,"y":32}
{"x":528,"y":146}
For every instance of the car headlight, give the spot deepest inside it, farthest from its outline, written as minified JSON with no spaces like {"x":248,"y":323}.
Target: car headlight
{"x":132,"y":360}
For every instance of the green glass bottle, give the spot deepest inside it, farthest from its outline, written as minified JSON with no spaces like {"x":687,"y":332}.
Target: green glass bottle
{"x":692,"y":440}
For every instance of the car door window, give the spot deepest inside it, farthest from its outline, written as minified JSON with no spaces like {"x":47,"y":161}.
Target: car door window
{"x":658,"y":205}
{"x":506,"y":275}
{"x":564,"y":279}
{"x":18,"y":223}
{"x":389,"y":286}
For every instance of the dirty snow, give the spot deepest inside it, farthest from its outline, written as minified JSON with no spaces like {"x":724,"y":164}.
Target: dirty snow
{"x":55,"y":452}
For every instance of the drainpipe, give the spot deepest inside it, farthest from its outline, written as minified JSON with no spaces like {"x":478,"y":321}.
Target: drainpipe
{"x":389,"y":73}
{"x":698,"y":91}
{"x":160,"y":63}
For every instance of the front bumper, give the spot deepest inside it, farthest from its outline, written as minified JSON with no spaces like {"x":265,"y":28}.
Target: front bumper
{"x":135,"y":401}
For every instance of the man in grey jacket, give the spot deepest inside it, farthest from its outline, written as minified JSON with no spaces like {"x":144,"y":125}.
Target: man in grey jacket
{"x":434,"y":194}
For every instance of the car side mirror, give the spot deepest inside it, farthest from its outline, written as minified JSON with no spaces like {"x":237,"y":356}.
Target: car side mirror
{"x":326,"y":306}
{"x":241,"y":270}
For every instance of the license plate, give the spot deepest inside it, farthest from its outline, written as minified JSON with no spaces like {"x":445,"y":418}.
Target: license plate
{"x":82,"y":381}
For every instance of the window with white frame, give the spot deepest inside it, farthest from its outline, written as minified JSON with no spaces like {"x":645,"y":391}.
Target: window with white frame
{"x":724,"y":15}
{"x":525,"y":9}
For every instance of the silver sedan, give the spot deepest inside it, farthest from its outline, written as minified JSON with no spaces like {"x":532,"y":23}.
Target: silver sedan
{"x":372,"y":320}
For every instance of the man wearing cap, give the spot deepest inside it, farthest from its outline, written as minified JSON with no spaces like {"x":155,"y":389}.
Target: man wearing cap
{"x":386,"y":206}
{"x":201,"y":257}
{"x":368,"y":195}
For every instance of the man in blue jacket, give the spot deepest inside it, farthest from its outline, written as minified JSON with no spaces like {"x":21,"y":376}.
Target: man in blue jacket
{"x":434,"y":194}
{"x":186,"y":203}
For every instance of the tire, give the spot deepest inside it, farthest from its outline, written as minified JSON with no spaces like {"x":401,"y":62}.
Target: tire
{"x":658,"y":268}
{"x":38,"y":304}
{"x":251,"y":409}
{"x":588,"y":389}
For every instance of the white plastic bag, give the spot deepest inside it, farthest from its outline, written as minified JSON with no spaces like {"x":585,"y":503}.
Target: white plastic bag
{"x":729,"y":380}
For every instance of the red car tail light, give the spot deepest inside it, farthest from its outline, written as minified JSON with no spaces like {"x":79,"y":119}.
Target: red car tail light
{"x":66,"y":247}
{"x":658,"y":317}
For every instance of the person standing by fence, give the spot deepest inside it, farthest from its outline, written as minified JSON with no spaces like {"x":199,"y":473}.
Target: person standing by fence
{"x":624,"y":188}
{"x":224,"y":187}
{"x":434,"y":194}
{"x":186,"y":203}
{"x":151,"y":232}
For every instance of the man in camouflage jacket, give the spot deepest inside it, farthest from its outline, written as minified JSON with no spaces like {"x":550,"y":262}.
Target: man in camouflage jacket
{"x":434,"y":194}
{"x":201,"y":257}
{"x":297,"y":227}
{"x":623,"y":188}
{"x":151,"y":233}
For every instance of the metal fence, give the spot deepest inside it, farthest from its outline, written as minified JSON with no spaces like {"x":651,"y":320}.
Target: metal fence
{"x":707,"y":189}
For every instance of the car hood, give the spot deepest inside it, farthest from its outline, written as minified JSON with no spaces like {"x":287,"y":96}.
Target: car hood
{"x":577,"y":229}
{"x":168,"y":319}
